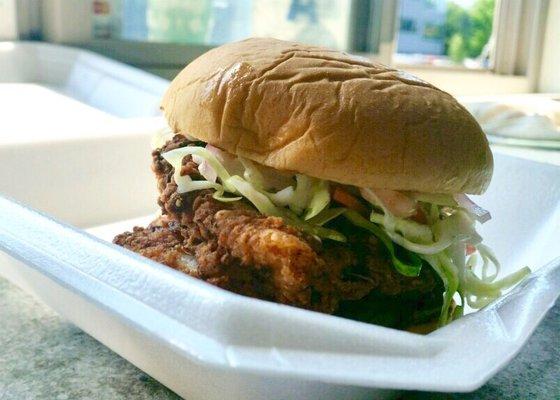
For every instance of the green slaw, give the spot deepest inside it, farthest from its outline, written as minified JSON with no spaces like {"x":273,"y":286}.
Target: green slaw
{"x":305,"y":202}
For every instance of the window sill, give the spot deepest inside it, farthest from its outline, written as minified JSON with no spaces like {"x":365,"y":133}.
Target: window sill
{"x":447,"y":68}
{"x":167,"y":59}
{"x":145,"y":54}
{"x":463,"y":81}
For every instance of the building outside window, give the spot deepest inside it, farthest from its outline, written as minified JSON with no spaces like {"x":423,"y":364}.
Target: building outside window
{"x":423,"y":16}
{"x":447,"y":32}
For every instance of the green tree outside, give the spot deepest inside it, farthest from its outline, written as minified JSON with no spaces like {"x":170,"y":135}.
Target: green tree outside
{"x":467,"y":30}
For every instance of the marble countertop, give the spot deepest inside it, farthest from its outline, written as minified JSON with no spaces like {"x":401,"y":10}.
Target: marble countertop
{"x":43,"y":356}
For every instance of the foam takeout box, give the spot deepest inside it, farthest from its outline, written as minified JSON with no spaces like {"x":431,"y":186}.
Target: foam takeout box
{"x":206,"y":343}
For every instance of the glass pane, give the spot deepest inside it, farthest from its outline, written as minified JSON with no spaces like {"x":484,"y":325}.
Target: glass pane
{"x":445,"y":32}
{"x":209,"y":22}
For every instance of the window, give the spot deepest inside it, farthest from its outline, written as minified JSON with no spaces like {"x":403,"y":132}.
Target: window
{"x":431,"y":32}
{"x":500,"y":36}
{"x":408,"y":25}
{"x":214,"y":22}
{"x":452,"y":32}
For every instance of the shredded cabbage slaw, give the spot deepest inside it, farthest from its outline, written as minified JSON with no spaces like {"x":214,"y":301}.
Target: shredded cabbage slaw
{"x":305,"y":202}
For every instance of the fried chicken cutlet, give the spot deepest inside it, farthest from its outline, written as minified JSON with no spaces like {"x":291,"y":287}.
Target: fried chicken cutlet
{"x":238,"y":249}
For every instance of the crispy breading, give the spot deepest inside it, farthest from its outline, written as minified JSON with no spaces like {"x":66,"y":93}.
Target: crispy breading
{"x":156,"y":242}
{"x":241,"y":250}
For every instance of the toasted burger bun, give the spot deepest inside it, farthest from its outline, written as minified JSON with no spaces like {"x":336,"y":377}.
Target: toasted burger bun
{"x":329,"y":115}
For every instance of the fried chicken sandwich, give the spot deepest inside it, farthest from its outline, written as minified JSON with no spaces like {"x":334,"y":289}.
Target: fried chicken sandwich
{"x":321,"y":180}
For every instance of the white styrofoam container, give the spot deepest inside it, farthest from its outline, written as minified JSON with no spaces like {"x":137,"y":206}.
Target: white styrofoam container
{"x":97,"y":81}
{"x":206,"y":343}
{"x":63,"y":107}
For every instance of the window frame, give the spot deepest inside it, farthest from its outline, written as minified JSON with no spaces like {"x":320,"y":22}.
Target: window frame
{"x":519,"y":29}
{"x":382,"y":35}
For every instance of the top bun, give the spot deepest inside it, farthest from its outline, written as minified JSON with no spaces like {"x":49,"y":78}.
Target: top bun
{"x":329,"y":115}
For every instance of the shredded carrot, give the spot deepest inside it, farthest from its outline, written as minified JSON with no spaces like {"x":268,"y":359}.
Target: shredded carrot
{"x":419,"y":216}
{"x":346,"y":199}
